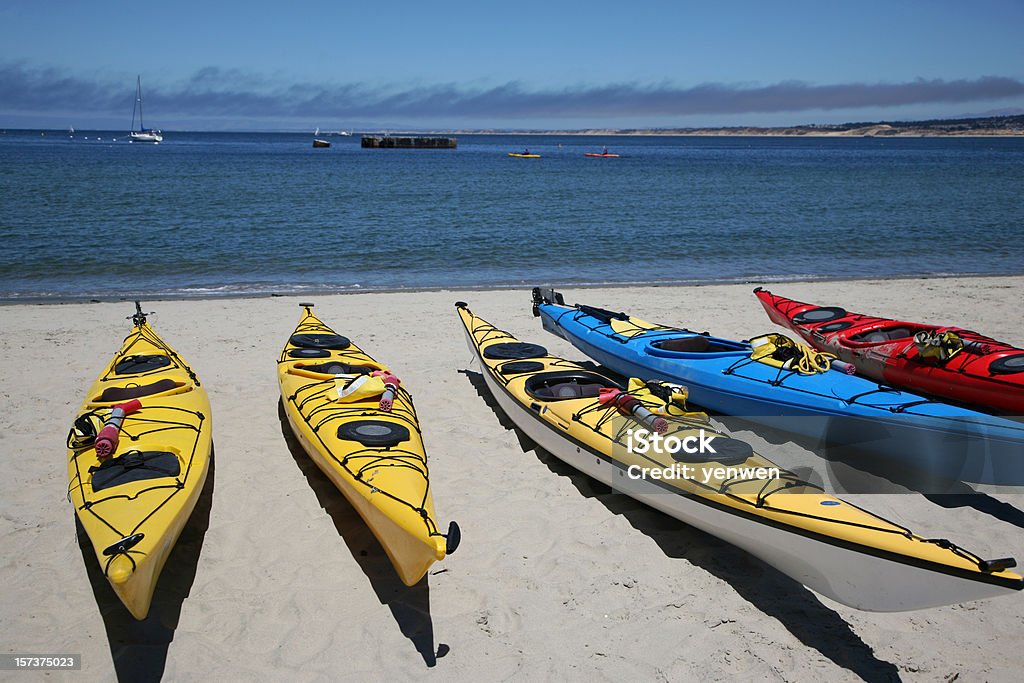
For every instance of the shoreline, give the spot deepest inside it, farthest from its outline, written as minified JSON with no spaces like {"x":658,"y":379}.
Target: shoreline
{"x":801,"y":279}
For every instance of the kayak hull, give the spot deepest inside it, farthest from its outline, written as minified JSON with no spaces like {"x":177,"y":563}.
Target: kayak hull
{"x":385,"y":478}
{"x":940,"y":442}
{"x":884,"y":350}
{"x":143,"y":514}
{"x":841,"y":567}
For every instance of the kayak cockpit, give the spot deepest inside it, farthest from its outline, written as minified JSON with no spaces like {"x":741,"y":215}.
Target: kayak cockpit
{"x":336,"y":367}
{"x":695,"y":345}
{"x":568,"y":384}
{"x":887,"y":332}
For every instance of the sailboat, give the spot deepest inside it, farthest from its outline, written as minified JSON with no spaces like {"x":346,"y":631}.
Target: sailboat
{"x":143,"y":134}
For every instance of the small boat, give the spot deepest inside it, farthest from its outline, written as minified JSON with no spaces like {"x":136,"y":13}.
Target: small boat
{"x":604,"y":154}
{"x":143,"y":134}
{"x":770,"y":380}
{"x":950,"y":362}
{"x":318,"y":141}
{"x":524,"y":155}
{"x":357,"y":422}
{"x":138,"y":457}
{"x":829,"y":545}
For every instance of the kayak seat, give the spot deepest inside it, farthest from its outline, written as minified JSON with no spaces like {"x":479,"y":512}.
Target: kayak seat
{"x":884,"y":334}
{"x":557,"y":392}
{"x":337,"y":368}
{"x":568,"y":384}
{"x":685,"y":345}
{"x":695,"y":344}
{"x":119,"y":394}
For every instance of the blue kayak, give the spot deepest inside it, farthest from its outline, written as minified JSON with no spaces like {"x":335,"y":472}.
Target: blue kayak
{"x":838,"y":409}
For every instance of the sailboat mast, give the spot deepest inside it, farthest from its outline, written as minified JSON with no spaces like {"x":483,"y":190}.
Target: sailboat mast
{"x":135,"y":105}
{"x":142,"y":126}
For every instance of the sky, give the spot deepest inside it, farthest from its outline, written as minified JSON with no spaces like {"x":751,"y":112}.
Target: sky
{"x":454,"y":64}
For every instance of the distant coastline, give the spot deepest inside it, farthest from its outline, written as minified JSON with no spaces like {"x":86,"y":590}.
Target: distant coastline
{"x":991,"y":126}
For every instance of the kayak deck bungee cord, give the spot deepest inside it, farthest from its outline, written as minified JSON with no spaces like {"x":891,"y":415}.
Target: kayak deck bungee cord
{"x":770,"y":380}
{"x":357,"y":422}
{"x":950,"y":362}
{"x":138,"y":458}
{"x":827,"y":544}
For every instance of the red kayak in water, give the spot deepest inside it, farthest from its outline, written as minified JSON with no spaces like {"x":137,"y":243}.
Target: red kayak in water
{"x":950,"y":362}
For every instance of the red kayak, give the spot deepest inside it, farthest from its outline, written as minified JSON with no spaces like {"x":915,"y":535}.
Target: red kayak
{"x":950,"y":362}
{"x":603,"y":155}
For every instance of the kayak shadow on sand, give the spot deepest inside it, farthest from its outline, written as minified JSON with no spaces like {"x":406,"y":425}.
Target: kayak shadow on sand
{"x":139,"y":648}
{"x":769,"y":590}
{"x":409,"y":605}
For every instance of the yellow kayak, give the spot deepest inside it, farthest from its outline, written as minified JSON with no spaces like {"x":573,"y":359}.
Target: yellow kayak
{"x":134,"y":502}
{"x":358,"y":424}
{"x":523,"y":156}
{"x":723,"y":487}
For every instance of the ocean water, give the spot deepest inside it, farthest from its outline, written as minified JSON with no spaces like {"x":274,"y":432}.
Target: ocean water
{"x":206,"y":214}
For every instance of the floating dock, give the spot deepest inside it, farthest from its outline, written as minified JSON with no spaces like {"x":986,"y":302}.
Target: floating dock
{"x":409,"y":142}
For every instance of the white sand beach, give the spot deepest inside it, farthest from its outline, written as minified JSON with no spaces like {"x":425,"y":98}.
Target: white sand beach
{"x":276,"y":577}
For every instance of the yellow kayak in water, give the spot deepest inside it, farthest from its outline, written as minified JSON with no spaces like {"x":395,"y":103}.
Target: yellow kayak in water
{"x":605,"y":430}
{"x":357,"y":422}
{"x":523,"y":155}
{"x":138,"y":457}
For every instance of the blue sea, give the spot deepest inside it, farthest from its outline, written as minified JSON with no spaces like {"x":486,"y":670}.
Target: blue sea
{"x":214,"y":214}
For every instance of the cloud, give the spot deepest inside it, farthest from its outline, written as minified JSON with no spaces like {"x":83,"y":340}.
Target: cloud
{"x":214,"y":93}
